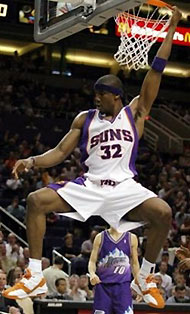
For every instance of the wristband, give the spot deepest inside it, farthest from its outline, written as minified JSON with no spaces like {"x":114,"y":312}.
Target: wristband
{"x":159,"y":64}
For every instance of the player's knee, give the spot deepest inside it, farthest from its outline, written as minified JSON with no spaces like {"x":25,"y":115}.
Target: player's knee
{"x":33,"y":201}
{"x":164,"y":215}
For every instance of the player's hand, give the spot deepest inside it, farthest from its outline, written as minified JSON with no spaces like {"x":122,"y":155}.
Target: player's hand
{"x":176,"y":17}
{"x":22,"y":165}
{"x":184,"y":265}
{"x":94,"y":280}
{"x":182,"y":253}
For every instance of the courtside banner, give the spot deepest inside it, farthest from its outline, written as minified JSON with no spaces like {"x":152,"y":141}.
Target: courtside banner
{"x":181,"y":36}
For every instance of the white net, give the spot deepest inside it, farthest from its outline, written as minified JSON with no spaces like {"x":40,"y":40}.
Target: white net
{"x":139,"y":33}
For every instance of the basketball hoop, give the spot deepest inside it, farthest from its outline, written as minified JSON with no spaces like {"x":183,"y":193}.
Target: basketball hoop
{"x":140,"y":32}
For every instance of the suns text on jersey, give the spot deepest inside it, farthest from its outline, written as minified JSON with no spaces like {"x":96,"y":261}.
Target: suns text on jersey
{"x":111,"y":135}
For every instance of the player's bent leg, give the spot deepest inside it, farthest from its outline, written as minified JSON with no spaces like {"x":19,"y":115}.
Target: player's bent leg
{"x":158,"y":214}
{"x":39,"y":204}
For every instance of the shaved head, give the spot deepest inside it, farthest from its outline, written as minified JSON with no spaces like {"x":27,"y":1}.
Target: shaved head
{"x":112,"y":81}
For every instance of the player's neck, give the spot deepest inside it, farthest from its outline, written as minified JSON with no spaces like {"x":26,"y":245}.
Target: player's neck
{"x":114,"y":233}
{"x":112,"y":115}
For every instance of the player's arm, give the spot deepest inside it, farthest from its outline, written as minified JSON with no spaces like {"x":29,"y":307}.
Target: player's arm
{"x":141,"y":105}
{"x":134,"y":255}
{"x":58,"y":154}
{"x":94,"y":279}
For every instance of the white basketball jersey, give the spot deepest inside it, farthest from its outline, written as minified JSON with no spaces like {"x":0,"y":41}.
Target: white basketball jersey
{"x":109,"y":148}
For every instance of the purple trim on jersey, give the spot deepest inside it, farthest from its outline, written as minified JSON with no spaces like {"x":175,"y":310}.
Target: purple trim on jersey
{"x":85,"y":137}
{"x":101,"y":117}
{"x":136,"y":141}
{"x":114,"y":241}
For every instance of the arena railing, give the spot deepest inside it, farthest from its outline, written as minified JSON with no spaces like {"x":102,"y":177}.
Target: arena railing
{"x":172,"y":121}
{"x":10,"y":222}
{"x":45,"y":306}
{"x":174,"y":114}
{"x":56,"y":253}
{"x":167,"y":139}
{"x":152,"y":139}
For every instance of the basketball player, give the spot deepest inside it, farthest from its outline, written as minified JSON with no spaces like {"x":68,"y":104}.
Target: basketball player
{"x":114,"y":252}
{"x":108,"y":139}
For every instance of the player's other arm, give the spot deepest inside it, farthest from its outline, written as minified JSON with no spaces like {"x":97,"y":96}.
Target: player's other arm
{"x":152,"y":80}
{"x":134,"y":256}
{"x":56,"y":155}
{"x":94,"y":279}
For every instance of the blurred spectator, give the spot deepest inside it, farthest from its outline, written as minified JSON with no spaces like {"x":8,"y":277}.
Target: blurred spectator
{"x":6,"y":263}
{"x":54,"y":272}
{"x":45,"y":263}
{"x":69,"y":250}
{"x":16,"y":209}
{"x":21,"y":263}
{"x":158,"y":280}
{"x":75,"y":292}
{"x":166,"y":279}
{"x":180,"y":281}
{"x":62,"y":290}
{"x":14,"y":274}
{"x":84,"y":285}
{"x":167,"y":192}
{"x":170,"y":250}
{"x":80,"y":263}
{"x":185,"y":227}
{"x":10,"y":162}
{"x":26,"y":255}
{"x":6,"y":304}
{"x":14,"y":250}
{"x":180,"y":217}
{"x":165,"y":258}
{"x":180,"y":201}
{"x":87,"y":245}
{"x":179,"y":296}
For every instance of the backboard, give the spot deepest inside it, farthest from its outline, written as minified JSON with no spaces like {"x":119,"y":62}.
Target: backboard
{"x":55,"y":20}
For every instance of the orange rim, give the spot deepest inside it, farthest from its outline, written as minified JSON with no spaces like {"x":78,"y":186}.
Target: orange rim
{"x":159,"y":3}
{"x":128,"y":15}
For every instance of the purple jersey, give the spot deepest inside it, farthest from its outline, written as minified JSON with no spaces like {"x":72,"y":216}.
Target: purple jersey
{"x":113,"y":262}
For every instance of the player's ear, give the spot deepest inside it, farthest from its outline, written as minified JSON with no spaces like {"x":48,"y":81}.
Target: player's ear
{"x":117,"y":96}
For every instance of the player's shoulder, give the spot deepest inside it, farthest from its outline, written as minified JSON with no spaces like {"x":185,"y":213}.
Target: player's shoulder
{"x":98,"y":238}
{"x":80,"y":119}
{"x":134,"y":238}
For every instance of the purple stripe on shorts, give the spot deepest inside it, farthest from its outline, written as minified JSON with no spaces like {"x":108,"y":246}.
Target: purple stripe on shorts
{"x":56,"y":186}
{"x":85,"y":137}
{"x":136,"y":141}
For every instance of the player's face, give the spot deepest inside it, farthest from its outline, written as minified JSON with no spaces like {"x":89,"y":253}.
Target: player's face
{"x":104,"y":102}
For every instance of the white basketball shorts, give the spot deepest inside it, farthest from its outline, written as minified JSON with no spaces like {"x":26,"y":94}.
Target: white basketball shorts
{"x":105,"y":198}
